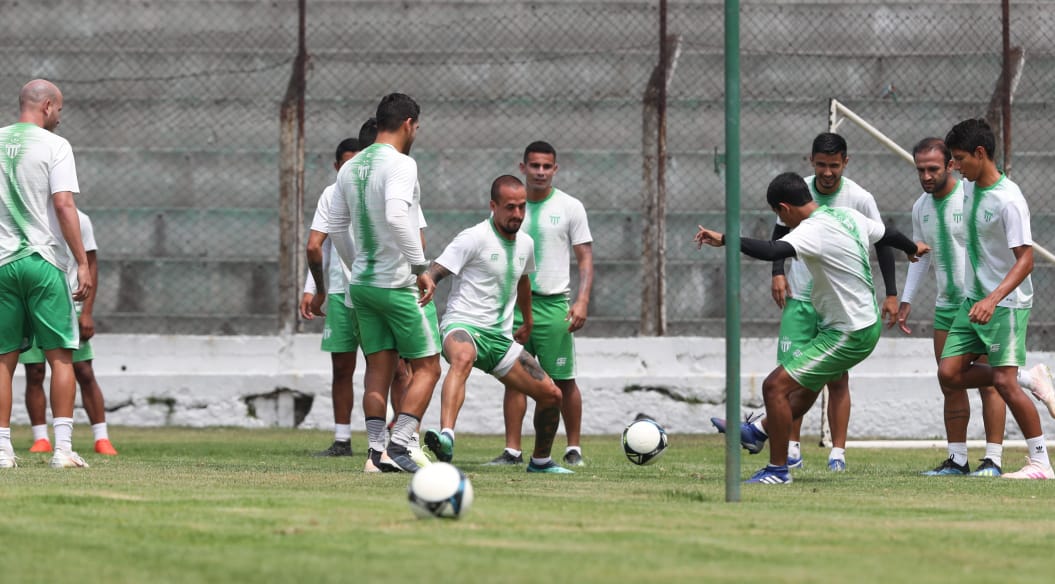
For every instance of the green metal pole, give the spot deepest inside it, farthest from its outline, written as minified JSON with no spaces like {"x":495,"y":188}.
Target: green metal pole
{"x":732,"y":249}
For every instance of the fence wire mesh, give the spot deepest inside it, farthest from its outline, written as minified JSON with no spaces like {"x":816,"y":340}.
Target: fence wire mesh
{"x":172,"y":109}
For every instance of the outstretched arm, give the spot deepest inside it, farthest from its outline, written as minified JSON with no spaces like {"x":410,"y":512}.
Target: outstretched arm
{"x":762,"y":249}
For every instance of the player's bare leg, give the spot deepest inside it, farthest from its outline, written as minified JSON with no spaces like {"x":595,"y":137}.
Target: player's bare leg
{"x":785,"y":400}
{"x":838,"y":420}
{"x":8,"y":363}
{"x":37,"y":406}
{"x":528,"y":378}
{"x":380,"y":368}
{"x":426,"y":373}
{"x":94,"y":406}
{"x":342,"y":367}
{"x":571,"y":412}
{"x":63,"y":398}
{"x":460,"y":351}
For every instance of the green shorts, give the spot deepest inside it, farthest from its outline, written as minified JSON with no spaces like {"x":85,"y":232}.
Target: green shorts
{"x":1003,"y":338}
{"x":798,"y":326}
{"x":550,"y":339}
{"x":390,"y":319}
{"x":943,"y":317}
{"x":341,"y":333}
{"x":831,"y":354}
{"x":35,"y":355}
{"x":495,"y":353}
{"x":36,"y":307}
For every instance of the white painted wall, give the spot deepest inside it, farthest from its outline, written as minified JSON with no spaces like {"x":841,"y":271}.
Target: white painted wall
{"x":203,"y":381}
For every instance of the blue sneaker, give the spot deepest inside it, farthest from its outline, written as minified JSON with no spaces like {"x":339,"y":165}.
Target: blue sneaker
{"x":548,"y":468}
{"x":771,"y":475}
{"x":948,"y":468}
{"x":439,"y":444}
{"x":794,"y":462}
{"x":751,"y":438}
{"x":836,"y":465}
{"x":988,"y":468}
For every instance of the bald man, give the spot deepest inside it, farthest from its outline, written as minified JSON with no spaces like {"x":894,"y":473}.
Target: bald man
{"x":40,"y":178}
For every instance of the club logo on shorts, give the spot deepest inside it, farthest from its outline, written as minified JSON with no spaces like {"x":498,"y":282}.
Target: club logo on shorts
{"x":785,"y":345}
{"x":327,"y":332}
{"x":994,"y":348}
{"x":562,"y":361}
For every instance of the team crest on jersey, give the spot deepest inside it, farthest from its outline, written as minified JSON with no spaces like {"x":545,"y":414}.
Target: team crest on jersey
{"x":957,"y":217}
{"x":523,"y":260}
{"x":926,"y":218}
{"x":494,"y":257}
{"x":554,"y":219}
{"x":13,"y":148}
{"x":988,"y":215}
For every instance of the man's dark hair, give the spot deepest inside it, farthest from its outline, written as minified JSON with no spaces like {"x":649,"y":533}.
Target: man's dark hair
{"x":969,"y":135}
{"x":932,"y":144}
{"x":540,"y":147}
{"x":368,"y":133}
{"x":506,"y":180}
{"x":394,"y":109}
{"x":789,"y":188}
{"x":829,"y":143}
{"x":347,"y":145}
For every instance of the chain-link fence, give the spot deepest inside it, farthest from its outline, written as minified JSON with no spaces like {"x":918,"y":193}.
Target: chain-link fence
{"x":173,"y":112}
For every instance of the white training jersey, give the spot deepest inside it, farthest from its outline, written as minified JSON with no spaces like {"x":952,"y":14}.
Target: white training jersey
{"x":850,"y":195}
{"x":939,"y":222}
{"x":997,"y":220}
{"x":336,"y":273}
{"x":486,"y":268}
{"x":556,"y":223}
{"x":833,"y":244}
{"x":35,"y":164}
{"x":365,"y":184}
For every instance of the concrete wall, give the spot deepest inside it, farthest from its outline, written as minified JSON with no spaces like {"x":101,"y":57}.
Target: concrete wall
{"x":263,"y":381}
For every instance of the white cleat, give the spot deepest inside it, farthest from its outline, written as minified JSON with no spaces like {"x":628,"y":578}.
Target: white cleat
{"x":7,"y":460}
{"x":1043,"y":388}
{"x":67,"y":459}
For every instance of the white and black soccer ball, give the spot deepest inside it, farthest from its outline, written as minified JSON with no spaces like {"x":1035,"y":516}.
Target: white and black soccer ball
{"x":440,"y":490}
{"x":644,"y":441}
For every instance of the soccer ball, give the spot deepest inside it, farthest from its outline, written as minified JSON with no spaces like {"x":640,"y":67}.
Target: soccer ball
{"x":440,"y":490}
{"x":644,"y":441}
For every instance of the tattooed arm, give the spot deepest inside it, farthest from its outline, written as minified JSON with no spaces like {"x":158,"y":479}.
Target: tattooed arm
{"x":428,"y":279}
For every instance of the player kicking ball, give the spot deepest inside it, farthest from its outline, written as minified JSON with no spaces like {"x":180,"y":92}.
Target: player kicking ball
{"x":833,"y":243}
{"x":490,"y":263}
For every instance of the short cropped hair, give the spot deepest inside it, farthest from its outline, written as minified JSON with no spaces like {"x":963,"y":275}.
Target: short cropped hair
{"x":394,"y":109}
{"x":829,"y":143}
{"x":368,"y":132}
{"x":789,"y":188}
{"x":969,"y":135}
{"x":540,"y":147}
{"x":932,"y":143}
{"x":504,"y":181}
{"x":347,"y":145}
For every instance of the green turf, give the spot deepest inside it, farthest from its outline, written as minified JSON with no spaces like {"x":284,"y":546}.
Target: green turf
{"x":228,"y":505}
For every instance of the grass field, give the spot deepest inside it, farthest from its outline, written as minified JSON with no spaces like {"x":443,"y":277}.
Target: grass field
{"x":231,"y":505}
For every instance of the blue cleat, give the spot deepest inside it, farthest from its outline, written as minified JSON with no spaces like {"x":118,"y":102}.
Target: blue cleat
{"x":439,"y":444}
{"x":771,"y":475}
{"x":751,"y":438}
{"x":988,"y":468}
{"x":795,"y":462}
{"x":948,"y":468}
{"x":836,"y":465}
{"x":548,"y":468}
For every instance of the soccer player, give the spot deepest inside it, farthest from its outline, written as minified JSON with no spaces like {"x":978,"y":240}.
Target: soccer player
{"x":993,"y":318}
{"x":33,"y":360}
{"x":378,"y":196}
{"x":832,"y":242}
{"x":937,"y":220}
{"x":339,"y":336}
{"x":557,"y":222}
{"x":35,"y":301}
{"x":491,"y":263}
{"x":791,"y":291}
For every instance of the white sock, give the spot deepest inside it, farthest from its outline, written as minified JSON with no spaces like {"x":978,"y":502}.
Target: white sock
{"x":958,"y":452}
{"x":99,"y":432}
{"x":40,"y":432}
{"x":570,"y":448}
{"x":1025,"y":378}
{"x":541,"y":461}
{"x":794,"y":449}
{"x":513,"y":453}
{"x":342,"y":432}
{"x":1038,"y":451}
{"x":837,"y":454}
{"x":5,"y":440}
{"x":63,"y":433}
{"x":994,"y":452}
{"x":376,"y":434}
{"x":449,"y":432}
{"x":404,"y":429}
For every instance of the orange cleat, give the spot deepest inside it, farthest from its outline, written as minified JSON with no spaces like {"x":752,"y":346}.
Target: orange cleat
{"x":104,"y":446}
{"x":42,"y":445}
